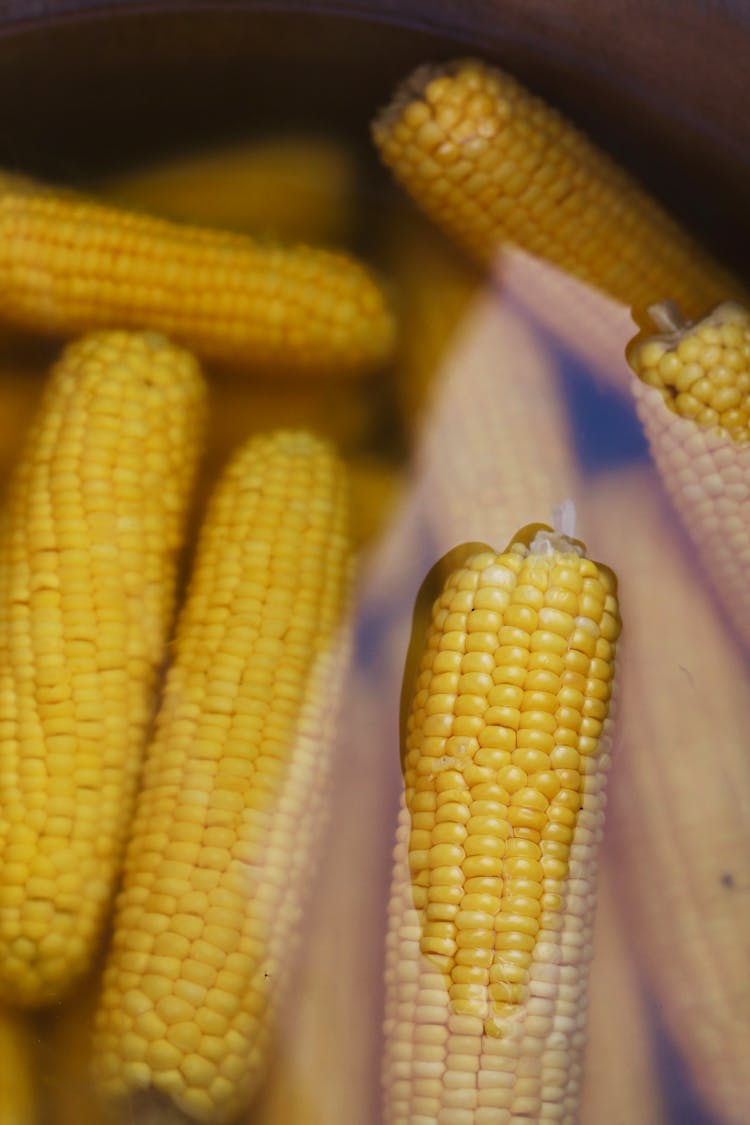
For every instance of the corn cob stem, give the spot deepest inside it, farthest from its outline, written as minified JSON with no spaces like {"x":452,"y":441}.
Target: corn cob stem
{"x":69,"y":264}
{"x":228,"y":819}
{"x":680,"y":810}
{"x":494,"y":881}
{"x":88,"y":549}
{"x":693,"y":399}
{"x":493,"y":165}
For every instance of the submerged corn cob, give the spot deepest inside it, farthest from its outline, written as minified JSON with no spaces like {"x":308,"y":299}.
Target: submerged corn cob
{"x":69,"y":264}
{"x":680,"y":808}
{"x":507,"y":747}
{"x":18,"y":1103}
{"x":295,"y":187}
{"x":693,"y":399}
{"x":228,"y":818}
{"x":491,"y":164}
{"x":88,"y":549}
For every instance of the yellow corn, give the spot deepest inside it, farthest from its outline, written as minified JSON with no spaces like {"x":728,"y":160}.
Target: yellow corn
{"x":17,"y":1097}
{"x":69,"y":264}
{"x":506,"y":752}
{"x":680,"y":804}
{"x":294,"y":187}
{"x":88,"y":545}
{"x":228,"y":819}
{"x":694,"y":402}
{"x":493,"y":165}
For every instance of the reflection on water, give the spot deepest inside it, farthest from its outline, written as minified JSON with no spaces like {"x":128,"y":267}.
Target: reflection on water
{"x":509,"y":395}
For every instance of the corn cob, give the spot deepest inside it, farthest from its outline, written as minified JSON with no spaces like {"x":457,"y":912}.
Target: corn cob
{"x":228,"y":818}
{"x":694,"y":402}
{"x":88,"y":545}
{"x":17,"y":1097}
{"x":69,"y":264}
{"x":682,"y":779}
{"x":506,"y":753}
{"x":493,"y":165}
{"x":294,"y":187}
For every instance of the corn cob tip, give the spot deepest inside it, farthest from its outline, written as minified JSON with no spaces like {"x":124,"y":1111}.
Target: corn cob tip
{"x":701,"y":367}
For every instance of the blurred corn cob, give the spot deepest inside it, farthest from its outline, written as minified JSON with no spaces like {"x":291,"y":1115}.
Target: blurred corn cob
{"x":507,"y":748}
{"x":586,"y":321}
{"x":297,"y":187}
{"x":434,"y":287}
{"x":69,"y":264}
{"x":326,"y":1070}
{"x":88,"y":543}
{"x":496,"y":398}
{"x":227,"y":824}
{"x":491,"y":165}
{"x":681,"y":792}
{"x":694,"y":402}
{"x":621,"y":1081}
{"x":18,"y":1102}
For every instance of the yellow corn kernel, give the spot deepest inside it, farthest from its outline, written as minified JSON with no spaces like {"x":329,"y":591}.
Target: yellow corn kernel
{"x":491,"y":164}
{"x":69,"y":264}
{"x":508,"y":930}
{"x":227,"y":823}
{"x":295,"y":187}
{"x":693,"y":399}
{"x":702,"y":369}
{"x":700,"y":715}
{"x":18,"y":1101}
{"x":88,"y":543}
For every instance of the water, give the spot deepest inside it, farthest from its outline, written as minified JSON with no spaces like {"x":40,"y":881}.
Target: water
{"x":507,"y":418}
